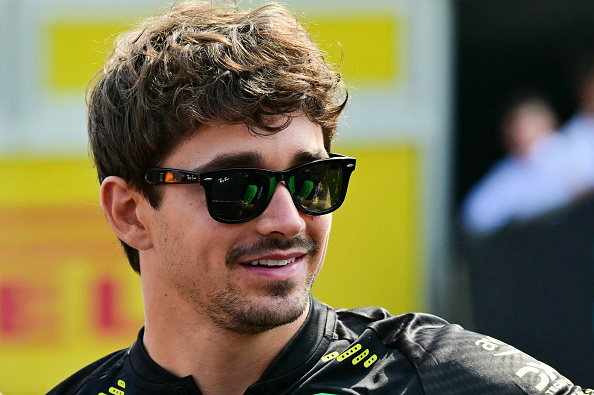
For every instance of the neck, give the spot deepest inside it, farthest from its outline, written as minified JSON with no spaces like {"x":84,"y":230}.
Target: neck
{"x":185,"y":342}
{"x":219,"y":361}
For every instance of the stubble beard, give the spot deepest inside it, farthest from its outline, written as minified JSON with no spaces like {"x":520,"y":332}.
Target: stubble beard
{"x":283,"y":303}
{"x":282,"y":306}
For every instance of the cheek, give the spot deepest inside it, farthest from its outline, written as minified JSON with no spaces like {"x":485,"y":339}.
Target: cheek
{"x":182,"y":221}
{"x":189,"y":200}
{"x":324,"y":224}
{"x":183,"y":209}
{"x":319,"y":230}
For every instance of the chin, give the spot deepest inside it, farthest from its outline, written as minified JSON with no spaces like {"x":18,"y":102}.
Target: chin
{"x":279,"y":303}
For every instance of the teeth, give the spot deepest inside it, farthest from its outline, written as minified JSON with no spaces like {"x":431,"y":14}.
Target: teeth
{"x":271,"y":262}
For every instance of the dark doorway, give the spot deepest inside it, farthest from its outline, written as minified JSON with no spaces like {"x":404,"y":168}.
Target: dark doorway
{"x":504,"y":47}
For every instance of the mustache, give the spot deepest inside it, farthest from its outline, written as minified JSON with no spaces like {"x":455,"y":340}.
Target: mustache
{"x":266,"y":245}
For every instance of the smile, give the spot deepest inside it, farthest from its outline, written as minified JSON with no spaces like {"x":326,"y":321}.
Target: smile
{"x":271,"y":262}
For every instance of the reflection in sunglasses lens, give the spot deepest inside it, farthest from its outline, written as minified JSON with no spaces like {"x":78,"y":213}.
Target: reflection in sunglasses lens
{"x":237,"y":195}
{"x":318,"y":187}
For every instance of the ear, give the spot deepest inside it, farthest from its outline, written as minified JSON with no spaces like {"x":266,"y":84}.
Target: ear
{"x":126,"y":211}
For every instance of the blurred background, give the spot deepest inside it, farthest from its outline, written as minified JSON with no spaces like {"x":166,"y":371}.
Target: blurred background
{"x":471,"y":200}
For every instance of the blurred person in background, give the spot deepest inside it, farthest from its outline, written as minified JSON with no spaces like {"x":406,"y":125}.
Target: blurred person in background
{"x":537,"y":175}
{"x":211,"y":131}
{"x":579,"y":130}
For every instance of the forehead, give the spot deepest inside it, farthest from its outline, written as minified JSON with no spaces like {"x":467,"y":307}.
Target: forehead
{"x":277,"y":150}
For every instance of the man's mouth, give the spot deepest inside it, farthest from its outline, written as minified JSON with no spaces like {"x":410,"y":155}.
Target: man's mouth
{"x":272,"y":252}
{"x":271,"y":262}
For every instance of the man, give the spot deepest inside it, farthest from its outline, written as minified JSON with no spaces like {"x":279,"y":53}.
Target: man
{"x":211,"y":131}
{"x":536,"y":177}
{"x":579,"y":130}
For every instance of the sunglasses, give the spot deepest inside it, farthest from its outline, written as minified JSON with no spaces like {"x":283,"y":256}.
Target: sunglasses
{"x":241,"y":194}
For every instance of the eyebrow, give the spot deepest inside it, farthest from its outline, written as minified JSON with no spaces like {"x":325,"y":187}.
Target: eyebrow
{"x":308,"y":156}
{"x":226,"y":161}
{"x":255,"y":160}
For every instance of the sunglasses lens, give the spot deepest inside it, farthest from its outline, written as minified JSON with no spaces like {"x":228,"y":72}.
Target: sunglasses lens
{"x":241,"y":195}
{"x":319,"y":187}
{"x":238,"y":195}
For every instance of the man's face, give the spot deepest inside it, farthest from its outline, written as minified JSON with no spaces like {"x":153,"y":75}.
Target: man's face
{"x":247,"y":277}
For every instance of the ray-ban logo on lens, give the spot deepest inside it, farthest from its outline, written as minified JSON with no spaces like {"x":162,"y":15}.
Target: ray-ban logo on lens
{"x":223,"y":179}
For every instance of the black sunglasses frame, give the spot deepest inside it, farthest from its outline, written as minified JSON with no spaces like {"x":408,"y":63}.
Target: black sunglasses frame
{"x":166,"y":176}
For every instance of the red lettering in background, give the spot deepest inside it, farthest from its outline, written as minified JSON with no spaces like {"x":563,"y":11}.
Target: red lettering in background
{"x":29,"y":312}
{"x":109,"y":316}
{"x":26,"y":312}
{"x":8,"y":310}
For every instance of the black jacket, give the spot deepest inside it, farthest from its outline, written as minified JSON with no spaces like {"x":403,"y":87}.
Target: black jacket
{"x":360,"y":351}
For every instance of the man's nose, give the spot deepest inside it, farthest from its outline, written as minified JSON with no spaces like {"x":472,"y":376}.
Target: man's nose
{"x":281,"y":217}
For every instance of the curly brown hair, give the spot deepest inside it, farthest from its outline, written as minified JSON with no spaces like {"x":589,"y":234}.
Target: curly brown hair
{"x":202,"y":63}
